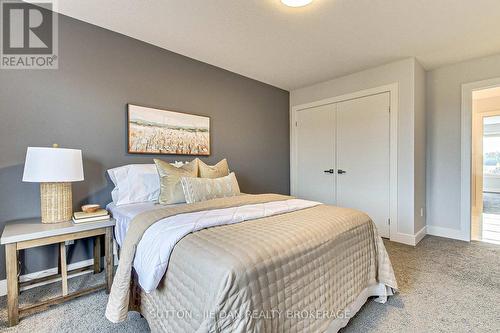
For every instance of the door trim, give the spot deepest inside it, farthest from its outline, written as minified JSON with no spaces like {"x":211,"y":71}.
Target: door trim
{"x":393,"y":90}
{"x":464,"y":233}
{"x":477,"y":175}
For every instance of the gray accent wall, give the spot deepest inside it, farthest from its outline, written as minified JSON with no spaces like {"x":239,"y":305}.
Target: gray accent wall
{"x":83,"y":105}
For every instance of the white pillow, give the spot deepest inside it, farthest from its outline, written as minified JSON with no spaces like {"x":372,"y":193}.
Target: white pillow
{"x":136,"y":183}
{"x":201,"y":189}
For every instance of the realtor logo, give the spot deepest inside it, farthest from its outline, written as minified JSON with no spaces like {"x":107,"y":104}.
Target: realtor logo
{"x":29,"y":35}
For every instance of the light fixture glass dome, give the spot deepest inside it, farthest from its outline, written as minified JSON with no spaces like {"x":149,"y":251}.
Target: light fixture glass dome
{"x":296,"y":3}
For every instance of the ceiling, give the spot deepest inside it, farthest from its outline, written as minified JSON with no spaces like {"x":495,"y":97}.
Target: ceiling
{"x":294,"y":47}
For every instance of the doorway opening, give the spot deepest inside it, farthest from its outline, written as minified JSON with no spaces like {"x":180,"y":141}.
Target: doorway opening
{"x":485,"y":196}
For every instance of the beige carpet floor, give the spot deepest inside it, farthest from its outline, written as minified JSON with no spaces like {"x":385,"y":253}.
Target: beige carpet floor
{"x":445,"y":286}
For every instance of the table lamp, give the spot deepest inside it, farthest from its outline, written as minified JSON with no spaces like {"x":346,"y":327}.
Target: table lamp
{"x":54,"y":168}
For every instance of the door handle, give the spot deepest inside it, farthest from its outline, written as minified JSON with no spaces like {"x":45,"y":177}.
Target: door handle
{"x":340,"y":171}
{"x":329,"y":171}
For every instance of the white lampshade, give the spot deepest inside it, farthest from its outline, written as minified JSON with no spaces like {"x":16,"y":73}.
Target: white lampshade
{"x":51,"y":165}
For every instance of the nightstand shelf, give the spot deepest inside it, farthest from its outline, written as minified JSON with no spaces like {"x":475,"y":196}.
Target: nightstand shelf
{"x":25,"y":234}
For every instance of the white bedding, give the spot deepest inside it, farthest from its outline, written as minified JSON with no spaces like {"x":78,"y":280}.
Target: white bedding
{"x":123,"y":214}
{"x":154,"y":249}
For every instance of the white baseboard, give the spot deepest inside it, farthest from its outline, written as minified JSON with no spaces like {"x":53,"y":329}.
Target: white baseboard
{"x":445,"y":232}
{"x":44,"y":273}
{"x":409,"y":239}
{"x":48,"y":272}
{"x":420,"y":234}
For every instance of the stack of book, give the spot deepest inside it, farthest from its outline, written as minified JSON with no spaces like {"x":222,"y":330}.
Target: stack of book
{"x":99,"y":215}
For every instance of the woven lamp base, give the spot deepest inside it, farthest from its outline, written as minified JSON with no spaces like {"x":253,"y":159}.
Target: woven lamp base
{"x":56,"y":202}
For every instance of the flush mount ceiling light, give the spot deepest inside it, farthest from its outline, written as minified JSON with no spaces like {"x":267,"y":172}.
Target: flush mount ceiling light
{"x":296,"y":3}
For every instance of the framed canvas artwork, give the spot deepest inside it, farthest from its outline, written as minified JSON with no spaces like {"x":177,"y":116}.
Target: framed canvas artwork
{"x":155,"y":131}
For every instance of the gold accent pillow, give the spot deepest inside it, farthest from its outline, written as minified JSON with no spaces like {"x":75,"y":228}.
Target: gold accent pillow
{"x":170,"y":183}
{"x":221,"y":169}
{"x":202,"y":189}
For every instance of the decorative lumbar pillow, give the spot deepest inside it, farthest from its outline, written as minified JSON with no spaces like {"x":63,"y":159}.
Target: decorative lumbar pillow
{"x":221,"y":169}
{"x":170,"y":185}
{"x":201,"y":189}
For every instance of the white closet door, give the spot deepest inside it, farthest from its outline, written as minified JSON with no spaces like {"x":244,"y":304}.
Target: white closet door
{"x":363,"y":154}
{"x":315,"y":137}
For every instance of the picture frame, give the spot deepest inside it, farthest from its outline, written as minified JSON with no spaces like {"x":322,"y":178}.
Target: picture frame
{"x":159,"y":131}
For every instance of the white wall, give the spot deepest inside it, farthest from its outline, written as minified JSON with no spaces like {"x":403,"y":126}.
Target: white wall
{"x":443,"y":139}
{"x":406,"y":73}
{"x":420,"y":149}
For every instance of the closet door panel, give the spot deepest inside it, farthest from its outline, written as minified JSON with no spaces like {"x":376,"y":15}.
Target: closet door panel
{"x":363,"y":141}
{"x":315,"y":137}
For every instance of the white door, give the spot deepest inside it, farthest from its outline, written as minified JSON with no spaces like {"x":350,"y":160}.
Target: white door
{"x":363,"y":157}
{"x":315,"y":138}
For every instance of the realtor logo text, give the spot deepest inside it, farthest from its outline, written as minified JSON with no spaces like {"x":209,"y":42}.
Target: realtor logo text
{"x":29,"y":35}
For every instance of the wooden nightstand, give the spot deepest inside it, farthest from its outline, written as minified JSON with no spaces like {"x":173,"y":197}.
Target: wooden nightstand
{"x":24,"y":234}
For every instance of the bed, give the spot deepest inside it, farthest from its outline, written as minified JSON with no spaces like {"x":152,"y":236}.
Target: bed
{"x":248,"y":263}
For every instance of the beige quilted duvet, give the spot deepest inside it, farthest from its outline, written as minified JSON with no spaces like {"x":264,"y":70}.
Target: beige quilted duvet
{"x":294,"y":272}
